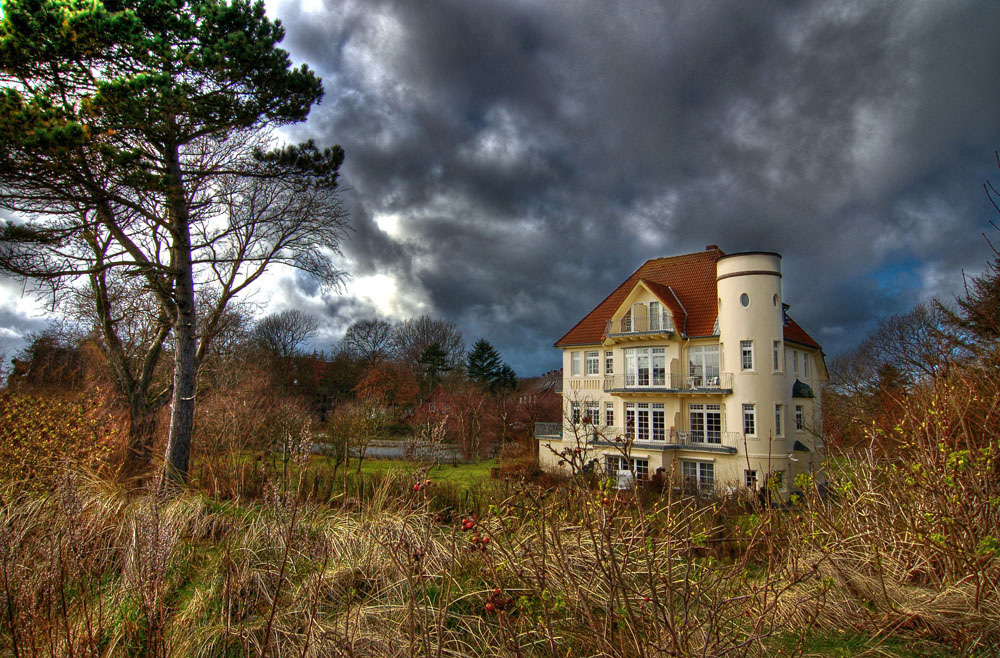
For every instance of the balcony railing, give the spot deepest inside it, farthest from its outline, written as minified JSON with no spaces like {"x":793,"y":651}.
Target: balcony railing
{"x":710,"y":440}
{"x":640,"y":325}
{"x":654,"y":381}
{"x":548,"y":430}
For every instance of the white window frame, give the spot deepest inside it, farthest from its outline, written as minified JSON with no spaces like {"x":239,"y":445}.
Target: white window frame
{"x":574,"y":361}
{"x":703,"y":414}
{"x":795,"y":362}
{"x":751,"y":408}
{"x":702,"y":472}
{"x":574,"y":412}
{"x":750,"y":478}
{"x":776,"y":356}
{"x":699,"y":363}
{"x":799,"y":418}
{"x":609,"y":362}
{"x":653,"y":375}
{"x":805,"y":365}
{"x":746,"y":349}
{"x":609,"y":413}
{"x":779,"y":417}
{"x":592,"y":363}
{"x":592,"y":410}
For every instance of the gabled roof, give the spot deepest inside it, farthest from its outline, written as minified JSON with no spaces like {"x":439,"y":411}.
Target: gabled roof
{"x":692,"y":278}
{"x":686,"y":285}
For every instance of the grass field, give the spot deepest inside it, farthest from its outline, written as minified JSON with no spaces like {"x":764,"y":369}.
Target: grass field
{"x":463,"y":476}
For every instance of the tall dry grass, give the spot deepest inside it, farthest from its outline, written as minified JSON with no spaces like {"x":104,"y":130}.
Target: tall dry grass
{"x":95,"y":570}
{"x":910,"y":544}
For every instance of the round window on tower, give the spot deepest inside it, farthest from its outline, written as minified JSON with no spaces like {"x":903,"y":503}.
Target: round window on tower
{"x":745,"y":299}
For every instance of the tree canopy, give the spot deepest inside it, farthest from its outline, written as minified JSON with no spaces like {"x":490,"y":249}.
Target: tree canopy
{"x":133,"y":136}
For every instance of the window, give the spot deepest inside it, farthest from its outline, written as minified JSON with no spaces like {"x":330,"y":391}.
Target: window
{"x":592,"y":413}
{"x":593,"y":363}
{"x":575,"y":412}
{"x":746,"y":354}
{"x":699,"y":477}
{"x":798,"y":416}
{"x":615,"y":463}
{"x":745,"y":300}
{"x":655,"y":316}
{"x":795,"y":361}
{"x":805,"y":364}
{"x":575,"y":364}
{"x":609,"y":363}
{"x":776,"y":357}
{"x":637,"y":420}
{"x":705,"y":423}
{"x":779,"y":413}
{"x":609,"y":413}
{"x":750,"y":419}
{"x":659,"y":422}
{"x":703,"y":365}
{"x":642,"y":422}
{"x":750,"y":477}
{"x":645,"y":366}
{"x":641,"y":467}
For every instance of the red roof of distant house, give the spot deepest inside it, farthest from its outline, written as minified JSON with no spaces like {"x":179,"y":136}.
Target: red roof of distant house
{"x":686,"y":284}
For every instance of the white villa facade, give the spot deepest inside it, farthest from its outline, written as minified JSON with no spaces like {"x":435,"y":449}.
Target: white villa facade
{"x":694,"y":364}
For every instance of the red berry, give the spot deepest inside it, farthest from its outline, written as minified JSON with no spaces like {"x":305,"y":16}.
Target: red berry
{"x":489,"y":607}
{"x":496,"y":592}
{"x":416,"y":487}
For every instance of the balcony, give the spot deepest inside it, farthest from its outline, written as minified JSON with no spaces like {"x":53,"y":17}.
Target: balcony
{"x":548,"y":430}
{"x":704,"y":441}
{"x":656,"y":382}
{"x":641,"y":327}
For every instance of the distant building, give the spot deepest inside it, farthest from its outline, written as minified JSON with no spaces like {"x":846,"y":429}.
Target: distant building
{"x":695,"y":363}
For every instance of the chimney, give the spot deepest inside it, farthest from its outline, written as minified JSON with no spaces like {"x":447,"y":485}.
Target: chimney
{"x":712,"y":247}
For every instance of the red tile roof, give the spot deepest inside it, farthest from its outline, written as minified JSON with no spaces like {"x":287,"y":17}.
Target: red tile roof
{"x":687,"y":279}
{"x":794,"y":332}
{"x":692,"y":278}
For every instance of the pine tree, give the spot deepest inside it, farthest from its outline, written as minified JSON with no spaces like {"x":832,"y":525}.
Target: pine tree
{"x":119,"y":121}
{"x":485,"y":367}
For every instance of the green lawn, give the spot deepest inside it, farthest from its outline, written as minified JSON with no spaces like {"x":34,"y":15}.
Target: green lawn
{"x":461,"y":475}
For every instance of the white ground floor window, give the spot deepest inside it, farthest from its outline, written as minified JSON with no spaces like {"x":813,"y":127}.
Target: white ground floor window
{"x":698,"y":476}
{"x":613,"y":464}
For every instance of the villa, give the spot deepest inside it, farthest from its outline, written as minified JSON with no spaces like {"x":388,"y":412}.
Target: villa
{"x":692,"y":366}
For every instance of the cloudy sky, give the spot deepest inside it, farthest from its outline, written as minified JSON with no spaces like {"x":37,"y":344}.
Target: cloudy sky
{"x":510,"y":162}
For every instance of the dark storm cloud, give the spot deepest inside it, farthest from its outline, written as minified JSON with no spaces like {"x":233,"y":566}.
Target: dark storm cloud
{"x":535,"y":153}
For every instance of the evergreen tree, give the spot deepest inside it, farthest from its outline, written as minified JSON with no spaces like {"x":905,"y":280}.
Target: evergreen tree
{"x":485,"y":367}
{"x":433,"y":366}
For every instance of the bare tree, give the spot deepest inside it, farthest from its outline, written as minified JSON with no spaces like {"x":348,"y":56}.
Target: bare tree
{"x":413,"y":338}
{"x":370,"y":340}
{"x":282,"y":334}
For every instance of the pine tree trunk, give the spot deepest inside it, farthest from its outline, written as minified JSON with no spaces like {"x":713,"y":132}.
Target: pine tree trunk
{"x":178,"y":453}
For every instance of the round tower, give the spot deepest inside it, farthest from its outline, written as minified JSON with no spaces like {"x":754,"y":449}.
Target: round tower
{"x":751,"y":323}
